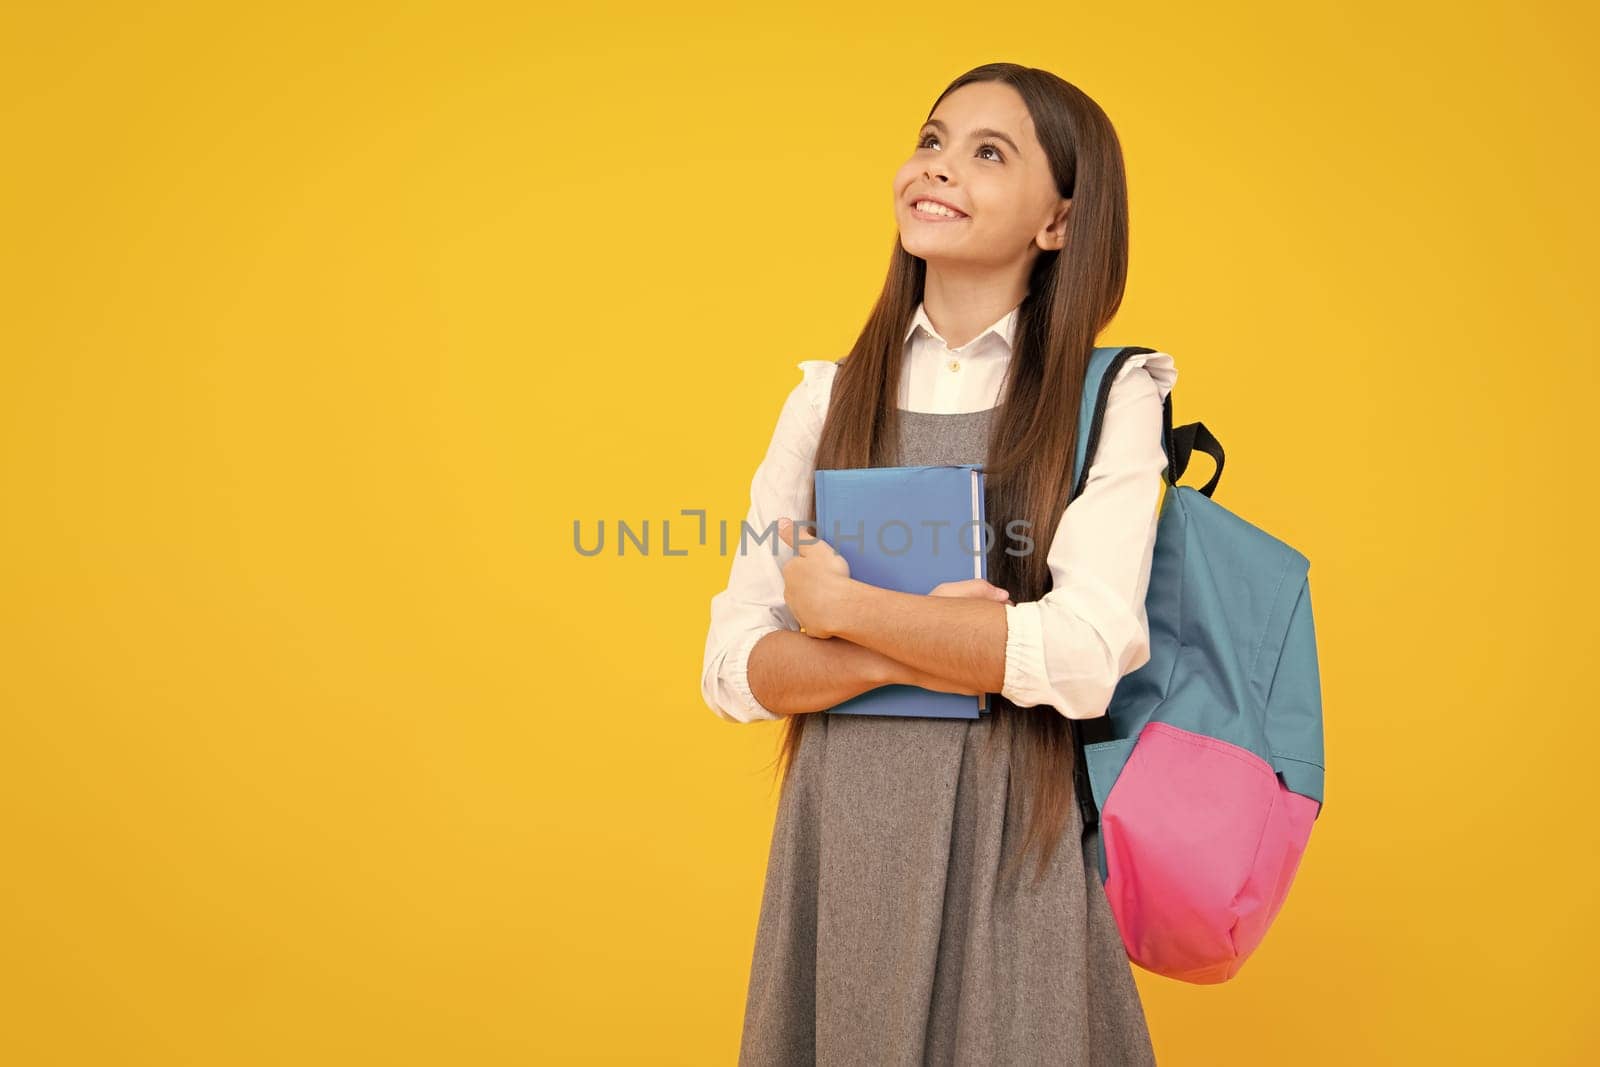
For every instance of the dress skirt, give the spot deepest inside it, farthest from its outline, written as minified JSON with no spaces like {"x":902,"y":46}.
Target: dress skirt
{"x":886,"y":935}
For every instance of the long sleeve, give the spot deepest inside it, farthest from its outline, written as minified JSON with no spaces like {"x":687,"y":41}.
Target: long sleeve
{"x":1070,"y":648}
{"x":752,"y":604}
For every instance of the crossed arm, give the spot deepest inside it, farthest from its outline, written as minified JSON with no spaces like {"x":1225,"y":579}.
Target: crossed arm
{"x":859,"y":637}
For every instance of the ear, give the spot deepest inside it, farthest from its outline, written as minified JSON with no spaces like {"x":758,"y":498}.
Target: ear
{"x":1054,"y":235}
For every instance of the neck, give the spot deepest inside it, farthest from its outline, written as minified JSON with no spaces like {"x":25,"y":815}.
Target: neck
{"x":961,"y":304}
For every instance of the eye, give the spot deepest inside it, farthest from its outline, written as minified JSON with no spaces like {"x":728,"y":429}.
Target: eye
{"x":999,"y":157}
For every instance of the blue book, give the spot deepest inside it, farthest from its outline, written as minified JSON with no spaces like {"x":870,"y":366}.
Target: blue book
{"x":907,"y":529}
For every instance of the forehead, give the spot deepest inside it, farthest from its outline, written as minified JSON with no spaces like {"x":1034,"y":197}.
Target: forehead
{"x":986,"y":104}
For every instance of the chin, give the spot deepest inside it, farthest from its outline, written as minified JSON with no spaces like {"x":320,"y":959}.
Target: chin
{"x":925,"y":249}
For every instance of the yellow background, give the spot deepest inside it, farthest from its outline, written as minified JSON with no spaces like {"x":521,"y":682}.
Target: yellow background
{"x":321,"y":744}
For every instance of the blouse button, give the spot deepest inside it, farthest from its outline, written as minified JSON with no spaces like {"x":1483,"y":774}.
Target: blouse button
{"x":955,"y":364}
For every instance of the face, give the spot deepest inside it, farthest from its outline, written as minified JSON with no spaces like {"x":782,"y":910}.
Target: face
{"x":978,"y":154}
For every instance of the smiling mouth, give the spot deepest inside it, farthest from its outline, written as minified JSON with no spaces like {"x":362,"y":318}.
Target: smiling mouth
{"x":934,"y":212}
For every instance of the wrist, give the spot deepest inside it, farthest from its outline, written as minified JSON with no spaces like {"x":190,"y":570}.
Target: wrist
{"x":871,"y":668}
{"x":881,"y":670}
{"x":847,"y":608}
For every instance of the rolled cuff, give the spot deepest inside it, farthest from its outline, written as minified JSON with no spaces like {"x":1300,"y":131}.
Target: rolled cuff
{"x":1081,"y":669}
{"x":1026,"y":682}
{"x":738,"y":667}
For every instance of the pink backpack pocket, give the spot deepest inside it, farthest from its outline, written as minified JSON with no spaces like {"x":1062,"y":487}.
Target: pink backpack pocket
{"x":1202,"y":841}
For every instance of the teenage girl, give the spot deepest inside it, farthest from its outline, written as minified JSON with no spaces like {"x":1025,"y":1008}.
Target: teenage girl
{"x":897,"y":925}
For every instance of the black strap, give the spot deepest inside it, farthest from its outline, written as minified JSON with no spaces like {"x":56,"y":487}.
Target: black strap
{"x":1183,"y":442}
{"x":1086,"y":732}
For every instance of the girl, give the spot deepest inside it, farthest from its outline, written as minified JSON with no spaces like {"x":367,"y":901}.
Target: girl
{"x":895,"y":927}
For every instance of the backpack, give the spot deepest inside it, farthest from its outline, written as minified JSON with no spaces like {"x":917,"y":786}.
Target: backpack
{"x":1204,"y":776}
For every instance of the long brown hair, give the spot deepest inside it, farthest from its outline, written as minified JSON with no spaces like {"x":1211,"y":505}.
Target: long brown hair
{"x":1072,"y":295}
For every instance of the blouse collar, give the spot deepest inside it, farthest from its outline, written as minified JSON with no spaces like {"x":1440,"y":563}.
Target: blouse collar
{"x":1004,"y":329}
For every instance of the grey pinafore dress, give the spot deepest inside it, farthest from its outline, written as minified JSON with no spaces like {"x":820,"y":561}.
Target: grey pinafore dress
{"x":885,"y":936}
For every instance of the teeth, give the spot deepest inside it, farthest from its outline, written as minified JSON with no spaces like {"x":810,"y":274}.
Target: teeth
{"x":936,"y":209}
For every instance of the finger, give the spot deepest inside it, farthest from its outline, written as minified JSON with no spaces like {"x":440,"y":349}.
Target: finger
{"x":805,"y":542}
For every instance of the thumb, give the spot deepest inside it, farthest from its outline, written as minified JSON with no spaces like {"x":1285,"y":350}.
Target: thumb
{"x":805,"y":544}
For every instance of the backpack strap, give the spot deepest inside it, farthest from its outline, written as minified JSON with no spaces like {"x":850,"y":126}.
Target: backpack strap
{"x":1104,"y":365}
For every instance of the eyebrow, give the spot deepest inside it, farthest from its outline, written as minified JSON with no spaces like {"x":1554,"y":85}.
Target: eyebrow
{"x":998,"y":135}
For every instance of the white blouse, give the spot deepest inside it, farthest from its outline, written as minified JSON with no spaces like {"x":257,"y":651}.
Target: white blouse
{"x":1067,"y":650}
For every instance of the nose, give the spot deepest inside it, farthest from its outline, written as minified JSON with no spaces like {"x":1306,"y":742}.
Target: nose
{"x":937,"y":169}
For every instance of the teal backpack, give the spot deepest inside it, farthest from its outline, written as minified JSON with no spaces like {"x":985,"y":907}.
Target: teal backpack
{"x":1204,"y":777}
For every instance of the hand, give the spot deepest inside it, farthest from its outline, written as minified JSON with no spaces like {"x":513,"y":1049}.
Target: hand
{"x":972,"y":587}
{"x":814,"y":582}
